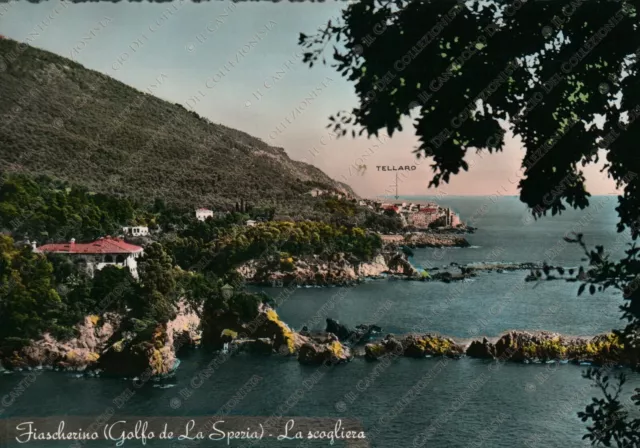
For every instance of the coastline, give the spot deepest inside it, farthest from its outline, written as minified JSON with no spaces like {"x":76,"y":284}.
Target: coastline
{"x":517,"y":346}
{"x":348,"y":274}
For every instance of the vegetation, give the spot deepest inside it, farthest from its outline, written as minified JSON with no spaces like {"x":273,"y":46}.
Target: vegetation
{"x":434,"y":345}
{"x":286,"y":331}
{"x":280,"y":240}
{"x":337,"y":349}
{"x":145,"y":148}
{"x":48,"y":210}
{"x":339,"y":206}
{"x":385,"y":223}
{"x":546,"y":349}
{"x":375,"y":350}
{"x":566,"y":64}
{"x":193,"y":260}
{"x":29,"y":302}
{"x":40,"y":294}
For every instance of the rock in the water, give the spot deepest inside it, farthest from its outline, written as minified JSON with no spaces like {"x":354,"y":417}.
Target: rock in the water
{"x":313,"y":353}
{"x":414,"y":346}
{"x":341,"y":331}
{"x":375,"y":351}
{"x":520,"y":346}
{"x":319,"y":271}
{"x":266,"y":324}
{"x":481,"y":349}
{"x":361,"y":334}
{"x":419,"y":346}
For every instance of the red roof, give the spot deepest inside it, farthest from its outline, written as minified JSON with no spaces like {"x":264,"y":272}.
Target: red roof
{"x":102,"y":246}
{"x":429,"y":210}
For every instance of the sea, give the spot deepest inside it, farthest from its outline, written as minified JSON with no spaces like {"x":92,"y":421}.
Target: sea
{"x":431,"y":403}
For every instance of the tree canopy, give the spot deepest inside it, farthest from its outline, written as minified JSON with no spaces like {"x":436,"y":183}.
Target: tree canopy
{"x":466,"y":71}
{"x":561,"y":75}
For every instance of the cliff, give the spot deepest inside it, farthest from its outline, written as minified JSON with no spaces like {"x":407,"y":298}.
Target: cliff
{"x":102,"y":345}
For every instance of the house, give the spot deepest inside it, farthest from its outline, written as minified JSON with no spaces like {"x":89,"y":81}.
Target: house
{"x":250,"y":223}
{"x":136,"y":231}
{"x":424,"y":217}
{"x":96,"y":255}
{"x":203,"y":213}
{"x":316,"y":192}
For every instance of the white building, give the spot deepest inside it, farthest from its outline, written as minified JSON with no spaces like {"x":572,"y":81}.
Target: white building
{"x":316,"y":192}
{"x":136,"y":231}
{"x":251,"y":223}
{"x":204,"y":213}
{"x":98,"y":254}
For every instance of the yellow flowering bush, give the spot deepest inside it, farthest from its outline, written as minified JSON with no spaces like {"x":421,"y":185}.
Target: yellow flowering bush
{"x":286,"y":331}
{"x":336,"y":348}
{"x":231,"y":333}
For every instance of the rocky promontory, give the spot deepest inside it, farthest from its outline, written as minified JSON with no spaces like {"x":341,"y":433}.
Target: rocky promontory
{"x":425,"y":239}
{"x":266,"y":333}
{"x":316,"y":270}
{"x":103,"y":344}
{"x":515,"y":346}
{"x":414,"y":346}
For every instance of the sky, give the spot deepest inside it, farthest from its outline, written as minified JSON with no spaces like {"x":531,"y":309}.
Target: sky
{"x":239,"y":64}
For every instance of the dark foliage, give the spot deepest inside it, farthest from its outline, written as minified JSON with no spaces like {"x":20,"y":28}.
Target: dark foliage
{"x":545,"y":70}
{"x":384,"y":223}
{"x":46,"y":210}
{"x":446,"y":64}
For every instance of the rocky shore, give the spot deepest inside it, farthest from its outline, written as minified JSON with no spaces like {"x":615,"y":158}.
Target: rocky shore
{"x":453,"y":230}
{"x":102,"y":346}
{"x":339,"y":344}
{"x":424,"y":239}
{"x":457,"y":272}
{"x":266,"y":334}
{"x":318,"y":271}
{"x":515,"y":346}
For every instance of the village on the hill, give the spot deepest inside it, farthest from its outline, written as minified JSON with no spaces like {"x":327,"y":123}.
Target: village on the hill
{"x":419,"y":216}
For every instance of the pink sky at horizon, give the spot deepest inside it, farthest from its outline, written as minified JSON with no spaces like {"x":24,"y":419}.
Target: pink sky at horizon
{"x":488,"y":174}
{"x":188,"y":62}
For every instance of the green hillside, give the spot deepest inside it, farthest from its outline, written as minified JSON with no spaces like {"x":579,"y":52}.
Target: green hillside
{"x":78,"y":125}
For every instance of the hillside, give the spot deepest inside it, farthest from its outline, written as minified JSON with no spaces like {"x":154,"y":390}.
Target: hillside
{"x":72,"y":123}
